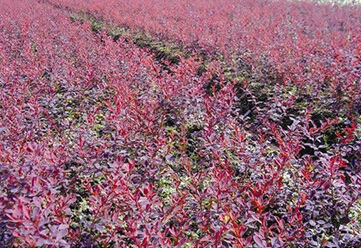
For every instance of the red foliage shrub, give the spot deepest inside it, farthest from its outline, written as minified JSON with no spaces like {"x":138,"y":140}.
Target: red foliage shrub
{"x":313,"y":48}
{"x":101,"y":147}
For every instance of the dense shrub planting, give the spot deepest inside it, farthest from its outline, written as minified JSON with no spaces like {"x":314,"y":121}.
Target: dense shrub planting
{"x":104,"y":144}
{"x":306,"y":46}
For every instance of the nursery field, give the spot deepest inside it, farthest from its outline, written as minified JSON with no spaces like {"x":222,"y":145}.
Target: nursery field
{"x":164,"y":123}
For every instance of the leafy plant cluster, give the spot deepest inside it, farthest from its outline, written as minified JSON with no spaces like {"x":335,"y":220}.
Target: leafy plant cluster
{"x":104,"y":144}
{"x":314,"y":49}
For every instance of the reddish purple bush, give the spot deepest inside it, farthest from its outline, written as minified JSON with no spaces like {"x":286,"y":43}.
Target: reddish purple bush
{"x":310,"y":48}
{"x":102,"y":146}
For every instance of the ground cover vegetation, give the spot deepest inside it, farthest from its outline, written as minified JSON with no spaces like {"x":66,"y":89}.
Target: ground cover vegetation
{"x":180,"y":124}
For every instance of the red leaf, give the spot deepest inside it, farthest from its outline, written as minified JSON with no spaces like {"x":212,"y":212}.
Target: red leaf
{"x":258,"y":239}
